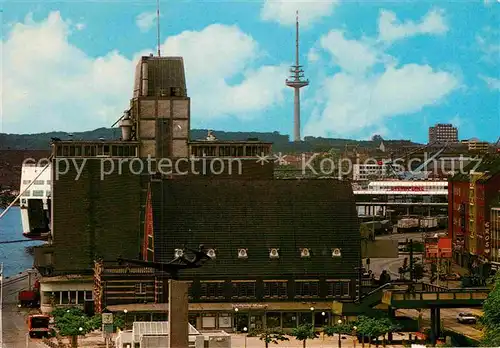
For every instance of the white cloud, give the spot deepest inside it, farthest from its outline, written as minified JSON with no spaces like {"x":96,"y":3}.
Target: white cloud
{"x":313,"y":55}
{"x":488,"y":3}
{"x":391,"y":29}
{"x":50,"y":84}
{"x":488,"y":44}
{"x":457,"y":121}
{"x":216,"y":54}
{"x":371,"y":88}
{"x":283,"y":11}
{"x":351,"y":55}
{"x":145,"y":21}
{"x":80,"y":26}
{"x":492,"y":82}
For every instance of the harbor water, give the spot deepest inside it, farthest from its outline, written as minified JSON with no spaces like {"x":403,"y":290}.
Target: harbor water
{"x":14,"y":256}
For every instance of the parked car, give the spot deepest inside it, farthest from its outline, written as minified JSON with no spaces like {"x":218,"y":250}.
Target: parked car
{"x":466,"y":318}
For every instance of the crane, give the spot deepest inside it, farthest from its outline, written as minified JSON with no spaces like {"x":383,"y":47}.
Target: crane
{"x":417,"y":173}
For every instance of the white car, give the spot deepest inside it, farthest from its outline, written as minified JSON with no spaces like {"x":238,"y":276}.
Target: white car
{"x":466,"y":318}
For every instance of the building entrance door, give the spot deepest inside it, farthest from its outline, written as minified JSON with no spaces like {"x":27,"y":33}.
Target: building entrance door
{"x":256,"y":321}
{"x":241,"y":321}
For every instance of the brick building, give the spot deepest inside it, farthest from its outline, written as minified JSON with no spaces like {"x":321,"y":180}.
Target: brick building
{"x":471,"y":196}
{"x":495,"y":234}
{"x":100,"y":188}
{"x":273,"y":244}
{"x":443,"y":133}
{"x":278,"y":248}
{"x":283,"y":249}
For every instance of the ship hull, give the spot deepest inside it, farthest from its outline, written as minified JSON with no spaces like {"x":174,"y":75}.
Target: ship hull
{"x":35,"y":202}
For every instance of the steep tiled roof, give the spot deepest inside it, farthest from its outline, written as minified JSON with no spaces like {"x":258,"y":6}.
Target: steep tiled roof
{"x":227,"y":215}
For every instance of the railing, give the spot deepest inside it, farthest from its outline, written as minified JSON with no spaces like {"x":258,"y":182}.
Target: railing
{"x":460,"y":294}
{"x":426,"y":287}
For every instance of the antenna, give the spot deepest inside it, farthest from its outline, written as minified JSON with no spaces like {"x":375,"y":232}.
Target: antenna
{"x":297,"y":38}
{"x":158,"y":25}
{"x":296,"y":81}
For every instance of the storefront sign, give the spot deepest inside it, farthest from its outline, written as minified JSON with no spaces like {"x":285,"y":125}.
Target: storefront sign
{"x":487,"y":239}
{"x":444,"y":246}
{"x":407,"y":189}
{"x":249,"y":306}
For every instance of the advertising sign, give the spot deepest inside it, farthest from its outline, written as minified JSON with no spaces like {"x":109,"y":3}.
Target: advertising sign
{"x":444,"y":248}
{"x":487,"y":239}
{"x":107,"y":318}
{"x":438,"y":248}
{"x":431,"y":249}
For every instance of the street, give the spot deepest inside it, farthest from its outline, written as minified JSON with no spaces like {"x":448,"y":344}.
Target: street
{"x":449,"y":319}
{"x":13,"y":318}
{"x":448,"y":315}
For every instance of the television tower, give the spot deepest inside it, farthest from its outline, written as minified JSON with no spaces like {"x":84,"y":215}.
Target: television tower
{"x":296,"y":81}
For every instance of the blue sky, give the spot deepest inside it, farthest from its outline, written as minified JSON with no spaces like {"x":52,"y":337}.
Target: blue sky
{"x":375,"y":67}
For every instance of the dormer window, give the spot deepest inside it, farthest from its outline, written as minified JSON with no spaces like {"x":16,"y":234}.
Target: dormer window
{"x":305,"y":253}
{"x":274,"y":253}
{"x":211,"y":253}
{"x":336,"y":253}
{"x":243,"y":253}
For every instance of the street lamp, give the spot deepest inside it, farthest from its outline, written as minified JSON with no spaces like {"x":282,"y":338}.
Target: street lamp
{"x":340,"y":335}
{"x":236,"y":319}
{"x":354,"y":328}
{"x":125,"y":319}
{"x":245,"y":329}
{"x":312,"y":316}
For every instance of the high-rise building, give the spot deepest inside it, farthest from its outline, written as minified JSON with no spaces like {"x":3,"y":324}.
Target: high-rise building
{"x":443,"y":133}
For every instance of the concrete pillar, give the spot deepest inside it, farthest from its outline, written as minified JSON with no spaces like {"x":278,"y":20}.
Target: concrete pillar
{"x":435,"y":325}
{"x":392,"y":316}
{"x":178,"y":314}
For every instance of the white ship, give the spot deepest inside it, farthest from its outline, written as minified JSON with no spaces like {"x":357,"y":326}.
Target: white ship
{"x":35,"y":201}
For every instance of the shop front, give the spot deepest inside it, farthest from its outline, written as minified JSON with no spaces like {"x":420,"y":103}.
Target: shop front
{"x":241,"y":317}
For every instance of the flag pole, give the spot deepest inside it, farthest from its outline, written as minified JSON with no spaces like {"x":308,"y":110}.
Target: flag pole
{"x":1,"y":305}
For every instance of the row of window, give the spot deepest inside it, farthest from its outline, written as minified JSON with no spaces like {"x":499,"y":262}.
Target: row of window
{"x":229,"y":151}
{"x":36,"y":193}
{"x":275,"y":289}
{"x":115,"y":150}
{"x":37,"y":182}
{"x":274,"y":253}
{"x":67,"y":297}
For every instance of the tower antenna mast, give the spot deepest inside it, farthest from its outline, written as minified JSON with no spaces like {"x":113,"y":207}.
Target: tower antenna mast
{"x":296,"y":82}
{"x":158,"y":25}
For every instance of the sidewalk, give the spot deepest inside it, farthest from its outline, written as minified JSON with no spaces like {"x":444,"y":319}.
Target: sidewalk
{"x":238,"y":341}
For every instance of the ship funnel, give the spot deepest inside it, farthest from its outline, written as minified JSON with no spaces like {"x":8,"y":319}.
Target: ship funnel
{"x":126,"y":126}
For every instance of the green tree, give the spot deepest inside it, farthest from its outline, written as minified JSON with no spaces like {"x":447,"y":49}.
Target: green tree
{"x":304,"y":333}
{"x":491,"y":316}
{"x":338,"y":329}
{"x":364,"y":327}
{"x":119,"y":321}
{"x":272,"y":336}
{"x":72,"y":322}
{"x":418,"y":271}
{"x":382,"y":327}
